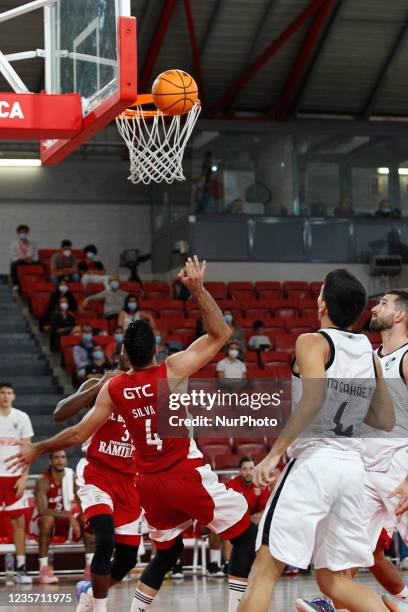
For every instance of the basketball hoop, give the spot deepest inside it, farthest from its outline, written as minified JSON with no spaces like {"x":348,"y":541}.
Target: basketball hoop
{"x":156,"y":141}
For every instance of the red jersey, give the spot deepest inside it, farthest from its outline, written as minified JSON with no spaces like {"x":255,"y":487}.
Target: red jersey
{"x":111,"y":446}
{"x":256,"y":497}
{"x":54,"y":494}
{"x":135,"y":396}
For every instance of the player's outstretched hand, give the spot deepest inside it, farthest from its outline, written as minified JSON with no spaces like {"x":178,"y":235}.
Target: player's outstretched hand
{"x":192,"y":275}
{"x":402,"y":491}
{"x":24,"y":458}
{"x":264,"y":474}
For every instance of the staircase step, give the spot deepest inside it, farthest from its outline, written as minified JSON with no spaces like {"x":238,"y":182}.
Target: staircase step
{"x":34,"y":368}
{"x":48,"y":402}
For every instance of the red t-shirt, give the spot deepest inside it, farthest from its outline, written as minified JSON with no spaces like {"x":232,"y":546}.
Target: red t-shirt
{"x":54,"y":494}
{"x":256,"y":497}
{"x":136,"y":398}
{"x":111,"y":446}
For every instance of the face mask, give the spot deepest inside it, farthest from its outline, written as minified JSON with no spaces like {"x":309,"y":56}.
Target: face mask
{"x":87,"y":337}
{"x":114,"y":285}
{"x":233,"y":353}
{"x":386,"y":210}
{"x":118,"y":337}
{"x":158,"y":339}
{"x":90,"y":255}
{"x":64,"y":305}
{"x":23,"y":236}
{"x":98,"y":355}
{"x":63,"y":288}
{"x":132,"y":306}
{"x":66,"y":252}
{"x":228,"y":318}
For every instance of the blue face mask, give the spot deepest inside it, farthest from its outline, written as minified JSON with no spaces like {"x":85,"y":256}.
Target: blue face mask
{"x":132,"y":306}
{"x":118,"y":337}
{"x":158,"y":339}
{"x":114,"y":285}
{"x":98,"y":355}
{"x":63,"y":288}
{"x":23,"y":236}
{"x":90,"y":255}
{"x":87,"y":337}
{"x":228,"y":318}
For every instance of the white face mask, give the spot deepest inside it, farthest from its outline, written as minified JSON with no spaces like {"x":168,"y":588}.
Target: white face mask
{"x":64,"y":306}
{"x":66,"y":252}
{"x":233,"y":353}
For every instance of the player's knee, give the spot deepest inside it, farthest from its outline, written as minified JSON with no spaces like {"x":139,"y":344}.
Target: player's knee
{"x":162,"y":562}
{"x":18,"y":522}
{"x":379,"y":554}
{"x":124,"y":561}
{"x":104,"y":531}
{"x":46,"y":524}
{"x":243,"y":552}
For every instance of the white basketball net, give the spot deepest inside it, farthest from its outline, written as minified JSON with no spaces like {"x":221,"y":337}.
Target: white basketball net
{"x":156,"y":144}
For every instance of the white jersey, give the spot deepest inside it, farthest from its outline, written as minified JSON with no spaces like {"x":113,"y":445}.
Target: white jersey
{"x":350,"y":383}
{"x":14,"y":426}
{"x":380,"y":446}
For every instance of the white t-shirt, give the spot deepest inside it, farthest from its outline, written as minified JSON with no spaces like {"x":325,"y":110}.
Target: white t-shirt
{"x":15,"y":426}
{"x":231,"y":369}
{"x":258,"y":340}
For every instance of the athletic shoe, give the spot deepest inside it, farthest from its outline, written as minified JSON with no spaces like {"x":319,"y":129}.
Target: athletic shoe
{"x":214,"y":570}
{"x":47,"y":576}
{"x":318,"y":604}
{"x":225,"y":569}
{"x":404,"y":564}
{"x":291,"y":570}
{"x":177,"y":571}
{"x":84,"y":596}
{"x":22,"y":577}
{"x":394,"y":604}
{"x":87,"y":572}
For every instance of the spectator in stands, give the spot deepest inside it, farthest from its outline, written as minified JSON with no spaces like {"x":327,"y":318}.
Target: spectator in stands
{"x":91,"y":270}
{"x":130,"y":311}
{"x":62,"y":322}
{"x":15,"y":425}
{"x":344,"y":209}
{"x":237,"y":332}
{"x":99,"y":361}
{"x":231,"y":366}
{"x":57,"y":512}
{"x":259,"y":341}
{"x":385,"y":210}
{"x":62,"y":290}
{"x":162,"y":352}
{"x":23,"y":252}
{"x":82,"y":353}
{"x":237,"y":207}
{"x":113,"y":298}
{"x":64,"y":264}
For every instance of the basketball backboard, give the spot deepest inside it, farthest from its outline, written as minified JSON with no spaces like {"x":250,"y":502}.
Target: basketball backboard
{"x":92,"y":52}
{"x":90,"y":58}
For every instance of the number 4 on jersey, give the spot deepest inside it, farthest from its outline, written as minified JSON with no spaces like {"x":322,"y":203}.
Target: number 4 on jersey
{"x":155,"y":440}
{"x":338,"y":430}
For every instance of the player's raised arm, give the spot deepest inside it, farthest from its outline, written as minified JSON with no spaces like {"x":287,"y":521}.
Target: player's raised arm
{"x":311,"y":355}
{"x":381,"y":414}
{"x":72,"y":436}
{"x":82,"y":398}
{"x":185,"y":363}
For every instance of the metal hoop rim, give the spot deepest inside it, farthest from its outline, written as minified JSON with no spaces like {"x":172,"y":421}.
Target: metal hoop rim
{"x":136,"y":110}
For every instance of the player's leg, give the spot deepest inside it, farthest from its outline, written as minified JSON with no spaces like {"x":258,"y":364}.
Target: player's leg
{"x":46,"y":526}
{"x":19,"y":539}
{"x":264,"y":574}
{"x":387,"y":574}
{"x":352,"y":596}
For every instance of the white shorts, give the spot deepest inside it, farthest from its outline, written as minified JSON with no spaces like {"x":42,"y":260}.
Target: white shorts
{"x":379,"y":507}
{"x":315,"y":512}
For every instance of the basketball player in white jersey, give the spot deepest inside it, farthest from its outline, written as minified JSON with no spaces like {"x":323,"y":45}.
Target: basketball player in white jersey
{"x":316,"y":508}
{"x":386,"y":456}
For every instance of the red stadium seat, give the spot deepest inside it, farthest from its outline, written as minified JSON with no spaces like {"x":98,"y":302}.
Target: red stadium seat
{"x":175,"y":319}
{"x":39,"y":303}
{"x":26,"y":274}
{"x":167,"y":306}
{"x":100,"y":324}
{"x":254,"y":373}
{"x":131,"y":287}
{"x":92,"y":288}
{"x":374,"y":338}
{"x":242,"y":295}
{"x":251,"y":448}
{"x":285,"y":308}
{"x":299,"y":325}
{"x":76,"y":287}
{"x":262,"y":314}
{"x":232,"y":305}
{"x":158,"y":288}
{"x":279,"y":371}
{"x":229,"y":461}
{"x":192,"y":309}
{"x":274,"y":358}
{"x":267,"y":286}
{"x":285,"y":342}
{"x":251,"y":359}
{"x":203,"y":441}
{"x":362,"y":320}
{"x":217,"y":289}
{"x":296,"y":286}
{"x":315,"y":288}
{"x":182,"y":324}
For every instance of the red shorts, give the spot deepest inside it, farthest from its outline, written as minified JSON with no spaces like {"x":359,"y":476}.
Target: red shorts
{"x":188,"y":492}
{"x":104,"y":491}
{"x":13,"y":505}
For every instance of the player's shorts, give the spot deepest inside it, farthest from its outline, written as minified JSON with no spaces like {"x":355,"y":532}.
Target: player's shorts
{"x":8,"y":500}
{"x":61,"y":529}
{"x":105,"y":491}
{"x":188,"y":492}
{"x":316,"y":512}
{"x":380,"y":509}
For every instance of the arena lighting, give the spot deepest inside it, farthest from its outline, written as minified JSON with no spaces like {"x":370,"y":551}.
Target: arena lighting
{"x":383,"y":170}
{"x":20,"y":163}
{"x":401,"y":171}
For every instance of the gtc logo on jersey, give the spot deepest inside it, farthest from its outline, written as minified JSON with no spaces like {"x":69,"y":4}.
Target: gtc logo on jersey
{"x":389,"y":363}
{"x":11,"y":112}
{"x":137,"y":392}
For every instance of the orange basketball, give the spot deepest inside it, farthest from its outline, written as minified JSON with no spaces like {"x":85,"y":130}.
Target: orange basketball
{"x":174,"y":92}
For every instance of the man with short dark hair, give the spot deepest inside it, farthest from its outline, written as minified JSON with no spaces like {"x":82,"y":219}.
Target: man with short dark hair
{"x":64,"y":264}
{"x":91,"y":270}
{"x":23,"y":252}
{"x":82,"y":352}
{"x":15,"y":426}
{"x":243,"y":483}
{"x":57,"y":513}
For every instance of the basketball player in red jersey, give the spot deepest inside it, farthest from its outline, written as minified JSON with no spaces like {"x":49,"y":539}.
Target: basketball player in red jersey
{"x":109,"y":499}
{"x":174,"y":485}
